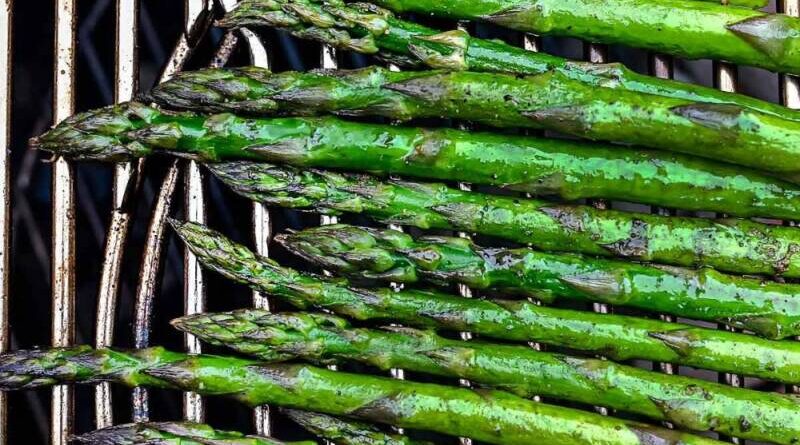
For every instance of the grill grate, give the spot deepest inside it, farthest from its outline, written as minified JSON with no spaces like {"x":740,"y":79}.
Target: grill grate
{"x":127,"y":177}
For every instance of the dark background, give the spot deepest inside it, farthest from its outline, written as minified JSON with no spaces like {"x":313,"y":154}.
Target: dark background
{"x":160,"y":25}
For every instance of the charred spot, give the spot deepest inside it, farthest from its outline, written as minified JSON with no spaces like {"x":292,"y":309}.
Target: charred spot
{"x":566,"y":216}
{"x":636,"y":245}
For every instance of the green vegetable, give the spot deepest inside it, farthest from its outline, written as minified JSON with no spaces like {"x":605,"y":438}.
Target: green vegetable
{"x":567,"y":169}
{"x":617,"y":337}
{"x":489,"y":416}
{"x":173,"y":433}
{"x":732,"y":245}
{"x":343,"y":432}
{"x":686,"y":402}
{"x":370,"y":30}
{"x":767,"y":308}
{"x":682,"y":28}
{"x":550,"y":100}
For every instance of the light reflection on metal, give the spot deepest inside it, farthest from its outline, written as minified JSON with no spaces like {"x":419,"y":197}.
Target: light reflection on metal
{"x":5,"y":190}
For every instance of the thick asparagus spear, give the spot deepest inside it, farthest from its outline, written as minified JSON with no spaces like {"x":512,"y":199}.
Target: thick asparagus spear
{"x":343,"y":432}
{"x":567,"y":169}
{"x":732,"y":245}
{"x":371,"y":30}
{"x":681,"y":28}
{"x":489,"y":416}
{"x":705,"y":294}
{"x":521,"y":370}
{"x":550,"y":100}
{"x":616,"y":337}
{"x":173,"y":433}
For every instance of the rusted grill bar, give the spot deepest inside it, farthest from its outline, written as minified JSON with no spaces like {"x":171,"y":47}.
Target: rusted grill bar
{"x":5,"y":191}
{"x":63,"y":196}
{"x":124,"y":177}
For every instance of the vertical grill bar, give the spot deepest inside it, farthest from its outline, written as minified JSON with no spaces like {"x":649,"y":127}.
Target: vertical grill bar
{"x":63,"y":260}
{"x":598,"y":54}
{"x":662,"y":66}
{"x":725,"y":77}
{"x":151,"y":259}
{"x":126,"y":75}
{"x":5,"y":191}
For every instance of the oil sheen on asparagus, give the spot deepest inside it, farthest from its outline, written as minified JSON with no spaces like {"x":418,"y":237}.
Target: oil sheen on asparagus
{"x":347,"y":432}
{"x":617,"y":337}
{"x":568,"y":169}
{"x":683,"y":28}
{"x":551,"y":101}
{"x":368,"y":29}
{"x":489,"y":416}
{"x":685,"y":402}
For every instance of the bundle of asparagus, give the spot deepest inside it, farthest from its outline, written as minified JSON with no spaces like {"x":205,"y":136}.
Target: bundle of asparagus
{"x":722,"y":153}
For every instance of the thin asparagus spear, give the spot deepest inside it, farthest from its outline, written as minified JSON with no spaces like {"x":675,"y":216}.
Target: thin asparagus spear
{"x":732,"y":245}
{"x":682,"y":28}
{"x":384,"y":254}
{"x":688,"y":403}
{"x":370,"y":30}
{"x":568,"y":169}
{"x":550,"y":100}
{"x":343,"y":432}
{"x":173,"y":433}
{"x":616,"y":337}
{"x":489,"y":416}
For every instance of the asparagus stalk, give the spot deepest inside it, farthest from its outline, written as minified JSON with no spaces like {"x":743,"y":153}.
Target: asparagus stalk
{"x":567,"y":169}
{"x":518,"y":369}
{"x":173,"y":433}
{"x":343,"y":432}
{"x":489,"y":416}
{"x":732,"y":245}
{"x":705,"y":294}
{"x":370,"y":30}
{"x":617,"y":337}
{"x":682,"y":28}
{"x":550,"y":100}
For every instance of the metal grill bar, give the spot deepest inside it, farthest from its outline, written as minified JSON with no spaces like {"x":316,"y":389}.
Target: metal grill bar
{"x":5,"y":191}
{"x":63,"y":196}
{"x":124,"y":176}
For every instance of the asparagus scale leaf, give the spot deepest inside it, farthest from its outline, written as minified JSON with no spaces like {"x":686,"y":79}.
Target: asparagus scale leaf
{"x":489,"y":416}
{"x":617,"y":337}
{"x":686,"y":402}
{"x":371,"y":30}
{"x":173,"y":433}
{"x":767,"y":308}
{"x":568,"y":169}
{"x":346,"y":432}
{"x":550,"y":100}
{"x":694,"y":30}
{"x":737,"y":246}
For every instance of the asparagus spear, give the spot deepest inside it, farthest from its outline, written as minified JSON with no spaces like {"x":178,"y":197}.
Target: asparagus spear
{"x":686,"y":402}
{"x":567,"y":169}
{"x":705,"y":294}
{"x":489,"y":416}
{"x":343,"y":432}
{"x":371,"y":30}
{"x":681,"y":28}
{"x":732,"y":245}
{"x":616,"y":337}
{"x":550,"y":100}
{"x":173,"y":433}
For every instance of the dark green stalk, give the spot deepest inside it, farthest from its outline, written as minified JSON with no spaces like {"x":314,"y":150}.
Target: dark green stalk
{"x":551,"y":101}
{"x":732,"y":245}
{"x":768,"y":308}
{"x":343,"y":432}
{"x":617,"y":337}
{"x":371,"y":30}
{"x":568,"y":169}
{"x":173,"y":433}
{"x":489,"y":416}
{"x":686,"y":402}
{"x":682,"y":28}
